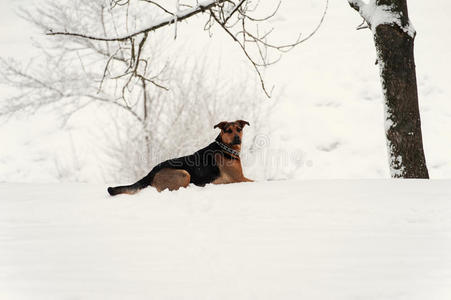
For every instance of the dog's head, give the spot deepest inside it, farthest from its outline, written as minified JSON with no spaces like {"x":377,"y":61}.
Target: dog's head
{"x":232,"y":133}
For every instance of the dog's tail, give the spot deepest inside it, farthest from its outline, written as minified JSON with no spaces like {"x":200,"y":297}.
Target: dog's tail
{"x":135,"y":187}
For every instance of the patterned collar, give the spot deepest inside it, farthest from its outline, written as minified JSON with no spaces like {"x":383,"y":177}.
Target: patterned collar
{"x":227,"y":149}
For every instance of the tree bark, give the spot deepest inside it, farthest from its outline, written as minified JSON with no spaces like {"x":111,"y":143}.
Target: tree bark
{"x":394,"y":42}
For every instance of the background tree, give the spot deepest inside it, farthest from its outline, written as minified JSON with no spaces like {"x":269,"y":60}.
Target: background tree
{"x":394,"y":40}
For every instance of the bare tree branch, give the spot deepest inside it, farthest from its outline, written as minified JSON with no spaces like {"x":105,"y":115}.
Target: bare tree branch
{"x":220,"y":12}
{"x":200,"y":8}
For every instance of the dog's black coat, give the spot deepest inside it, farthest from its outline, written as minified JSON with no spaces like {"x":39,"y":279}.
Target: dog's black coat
{"x":201,"y":166}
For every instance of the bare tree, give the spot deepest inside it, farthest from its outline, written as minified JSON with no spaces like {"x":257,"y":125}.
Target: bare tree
{"x":394,"y":40}
{"x":238,"y":18}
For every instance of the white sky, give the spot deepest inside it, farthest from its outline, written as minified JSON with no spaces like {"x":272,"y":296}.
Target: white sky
{"x":15,"y":34}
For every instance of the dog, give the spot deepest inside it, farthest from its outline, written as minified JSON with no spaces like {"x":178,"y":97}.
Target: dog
{"x":218,"y":163}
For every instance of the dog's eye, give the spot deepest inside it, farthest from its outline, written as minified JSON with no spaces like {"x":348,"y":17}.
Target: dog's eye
{"x":229,"y":130}
{"x":239,"y":130}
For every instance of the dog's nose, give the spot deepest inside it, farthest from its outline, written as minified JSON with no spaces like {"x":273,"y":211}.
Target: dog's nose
{"x":236,"y":140}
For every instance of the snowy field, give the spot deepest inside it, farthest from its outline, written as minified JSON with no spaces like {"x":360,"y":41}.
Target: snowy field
{"x":345,"y":240}
{"x":301,"y":238}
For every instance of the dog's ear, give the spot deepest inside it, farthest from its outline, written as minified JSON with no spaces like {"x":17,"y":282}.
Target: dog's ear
{"x":220,"y":125}
{"x":243,"y":123}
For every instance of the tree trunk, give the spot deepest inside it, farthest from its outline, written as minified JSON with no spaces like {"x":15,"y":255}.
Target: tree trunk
{"x":394,"y":41}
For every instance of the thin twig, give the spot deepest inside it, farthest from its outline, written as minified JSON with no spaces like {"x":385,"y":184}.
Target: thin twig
{"x":166,"y":21}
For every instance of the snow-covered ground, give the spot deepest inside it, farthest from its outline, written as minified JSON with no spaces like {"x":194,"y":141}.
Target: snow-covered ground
{"x":299,"y":239}
{"x":363,"y":239}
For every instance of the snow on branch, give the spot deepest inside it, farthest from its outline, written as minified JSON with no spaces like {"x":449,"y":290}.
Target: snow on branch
{"x":375,"y":14}
{"x":356,"y":4}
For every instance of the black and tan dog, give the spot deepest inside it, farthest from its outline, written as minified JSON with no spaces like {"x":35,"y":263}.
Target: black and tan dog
{"x":217,"y":163}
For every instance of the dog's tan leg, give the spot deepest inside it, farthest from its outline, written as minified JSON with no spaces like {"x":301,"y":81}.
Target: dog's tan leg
{"x":222,"y":180}
{"x":171,"y":179}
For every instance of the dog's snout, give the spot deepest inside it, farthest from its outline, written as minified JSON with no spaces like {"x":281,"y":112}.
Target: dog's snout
{"x":236,"y":139}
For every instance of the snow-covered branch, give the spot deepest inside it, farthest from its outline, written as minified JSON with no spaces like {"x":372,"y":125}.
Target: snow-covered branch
{"x":375,"y":14}
{"x":362,"y":8}
{"x":356,"y":4}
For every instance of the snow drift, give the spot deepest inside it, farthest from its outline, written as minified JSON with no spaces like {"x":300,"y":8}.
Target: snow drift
{"x":266,"y":240}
